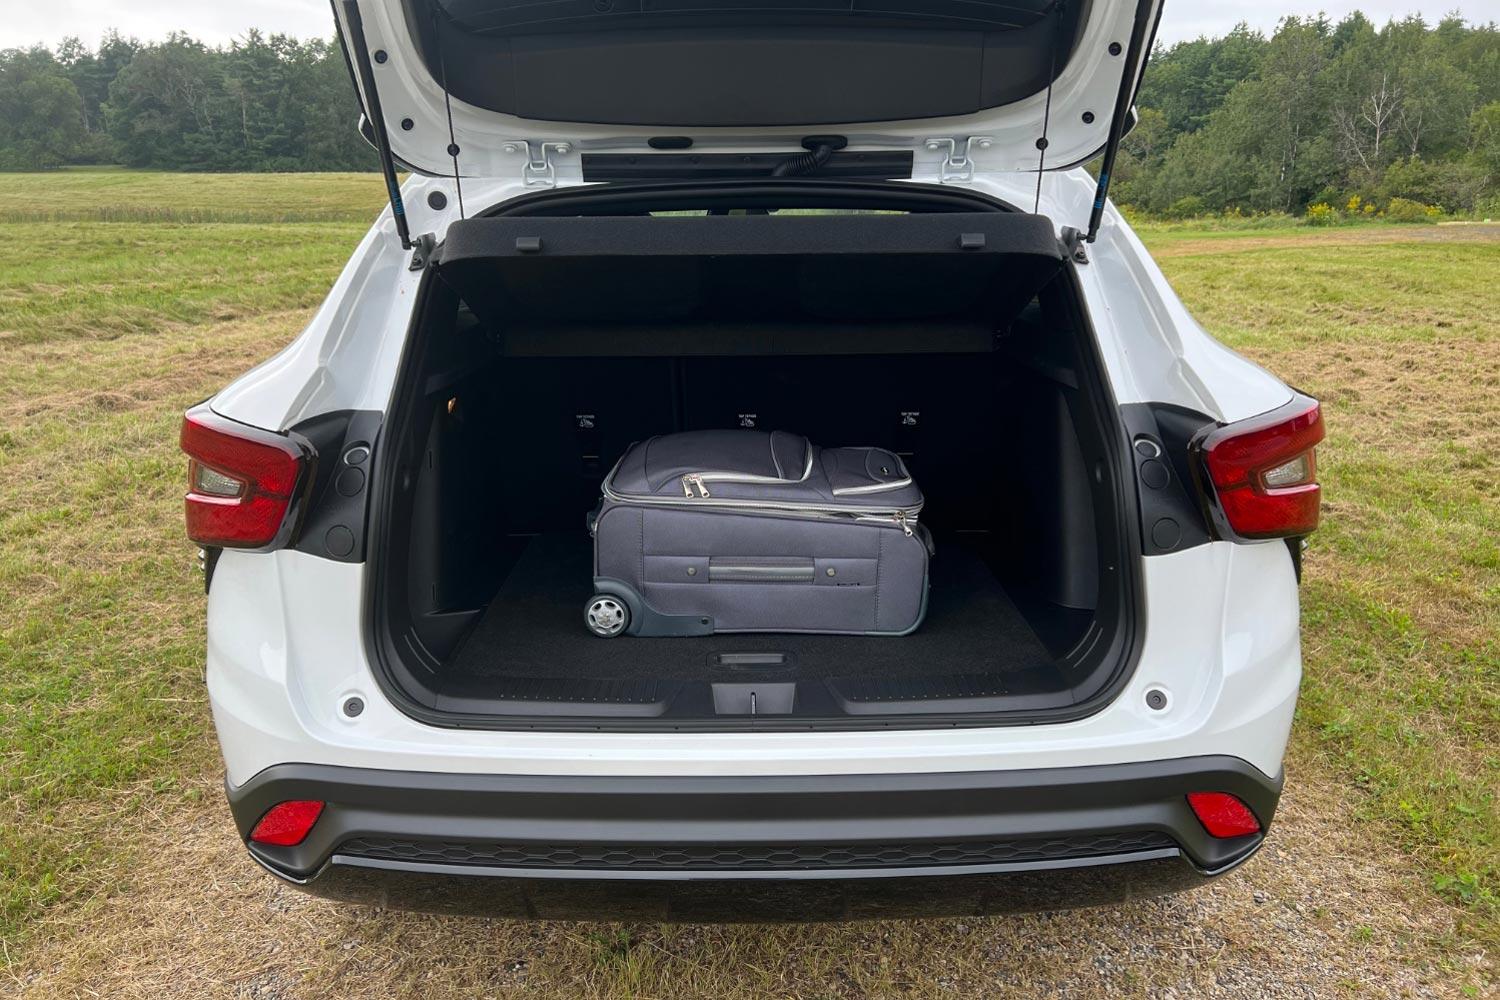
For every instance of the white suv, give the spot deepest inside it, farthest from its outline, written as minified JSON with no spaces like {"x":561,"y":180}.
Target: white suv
{"x":869,"y":224}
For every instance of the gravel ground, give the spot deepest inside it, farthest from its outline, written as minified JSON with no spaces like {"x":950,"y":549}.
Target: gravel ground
{"x":1322,"y":911}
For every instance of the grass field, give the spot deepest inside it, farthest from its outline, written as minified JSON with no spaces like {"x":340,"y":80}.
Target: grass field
{"x":127,"y":297}
{"x":114,"y":195}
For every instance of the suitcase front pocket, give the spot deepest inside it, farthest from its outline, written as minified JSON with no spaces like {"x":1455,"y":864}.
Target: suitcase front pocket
{"x":862,"y":471}
{"x":761,"y":569}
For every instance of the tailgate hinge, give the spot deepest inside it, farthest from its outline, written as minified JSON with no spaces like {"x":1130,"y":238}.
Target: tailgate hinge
{"x":422,"y":251}
{"x":958,"y":166}
{"x":1077,"y":247}
{"x":539,"y":170}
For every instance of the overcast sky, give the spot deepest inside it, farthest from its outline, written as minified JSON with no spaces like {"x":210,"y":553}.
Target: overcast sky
{"x":28,"y":22}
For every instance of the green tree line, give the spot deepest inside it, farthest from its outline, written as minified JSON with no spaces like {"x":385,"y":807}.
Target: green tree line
{"x":1343,"y":114}
{"x":262,"y":103}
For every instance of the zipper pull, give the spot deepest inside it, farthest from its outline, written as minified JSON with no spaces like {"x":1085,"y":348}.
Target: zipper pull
{"x":901,"y":520}
{"x":689,"y":481}
{"x":702,"y":489}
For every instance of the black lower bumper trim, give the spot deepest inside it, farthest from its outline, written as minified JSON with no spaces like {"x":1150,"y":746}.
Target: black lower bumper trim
{"x":461,"y":891}
{"x":738,"y":860}
{"x":507,"y":844}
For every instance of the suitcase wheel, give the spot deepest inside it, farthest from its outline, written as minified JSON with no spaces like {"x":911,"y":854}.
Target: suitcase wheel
{"x":606,"y":616}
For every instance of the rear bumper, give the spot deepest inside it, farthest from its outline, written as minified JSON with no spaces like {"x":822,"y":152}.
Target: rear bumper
{"x":463,"y":892}
{"x":755,"y":848}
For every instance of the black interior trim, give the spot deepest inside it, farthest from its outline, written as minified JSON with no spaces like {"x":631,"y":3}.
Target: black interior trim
{"x":879,"y":165}
{"x":499,"y":239}
{"x":793,"y":62}
{"x":752,"y":277}
{"x":408,"y":669}
{"x":781,"y":193}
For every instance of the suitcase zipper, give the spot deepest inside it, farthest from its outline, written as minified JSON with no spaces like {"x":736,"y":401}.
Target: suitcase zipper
{"x":903,"y":518}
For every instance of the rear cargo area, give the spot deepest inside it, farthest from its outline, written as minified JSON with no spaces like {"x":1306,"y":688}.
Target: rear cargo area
{"x":530,"y":629}
{"x":547,"y":349}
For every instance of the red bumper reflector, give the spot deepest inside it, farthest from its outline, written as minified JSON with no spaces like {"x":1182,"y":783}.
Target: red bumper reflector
{"x":1223,"y":815}
{"x":287,"y":824}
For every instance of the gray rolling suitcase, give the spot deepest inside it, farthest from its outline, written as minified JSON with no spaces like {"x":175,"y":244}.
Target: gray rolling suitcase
{"x":745,"y":531}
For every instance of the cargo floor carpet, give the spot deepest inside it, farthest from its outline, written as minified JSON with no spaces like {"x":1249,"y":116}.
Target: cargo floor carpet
{"x":534,"y":628}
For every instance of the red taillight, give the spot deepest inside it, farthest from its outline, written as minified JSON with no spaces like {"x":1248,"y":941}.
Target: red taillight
{"x":241,"y":481}
{"x":1264,"y":471}
{"x":287,"y":824}
{"x":1223,"y":815}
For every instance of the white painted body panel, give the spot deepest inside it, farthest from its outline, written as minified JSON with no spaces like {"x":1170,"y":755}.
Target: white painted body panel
{"x":285,"y":632}
{"x":494,"y":144}
{"x":285,"y":651}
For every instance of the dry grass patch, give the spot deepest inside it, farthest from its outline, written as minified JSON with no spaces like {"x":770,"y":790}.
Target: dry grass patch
{"x":100,"y":281}
{"x":150,"y":198}
{"x":1281,"y":297}
{"x":1412,"y":466}
{"x":1176,"y":241}
{"x":101,"y":614}
{"x":123,"y":469}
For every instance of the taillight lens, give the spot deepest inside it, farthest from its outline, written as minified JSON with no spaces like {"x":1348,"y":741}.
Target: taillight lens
{"x":287,"y":824}
{"x":1264,"y":471}
{"x":1223,"y":815}
{"x":241,"y":480}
